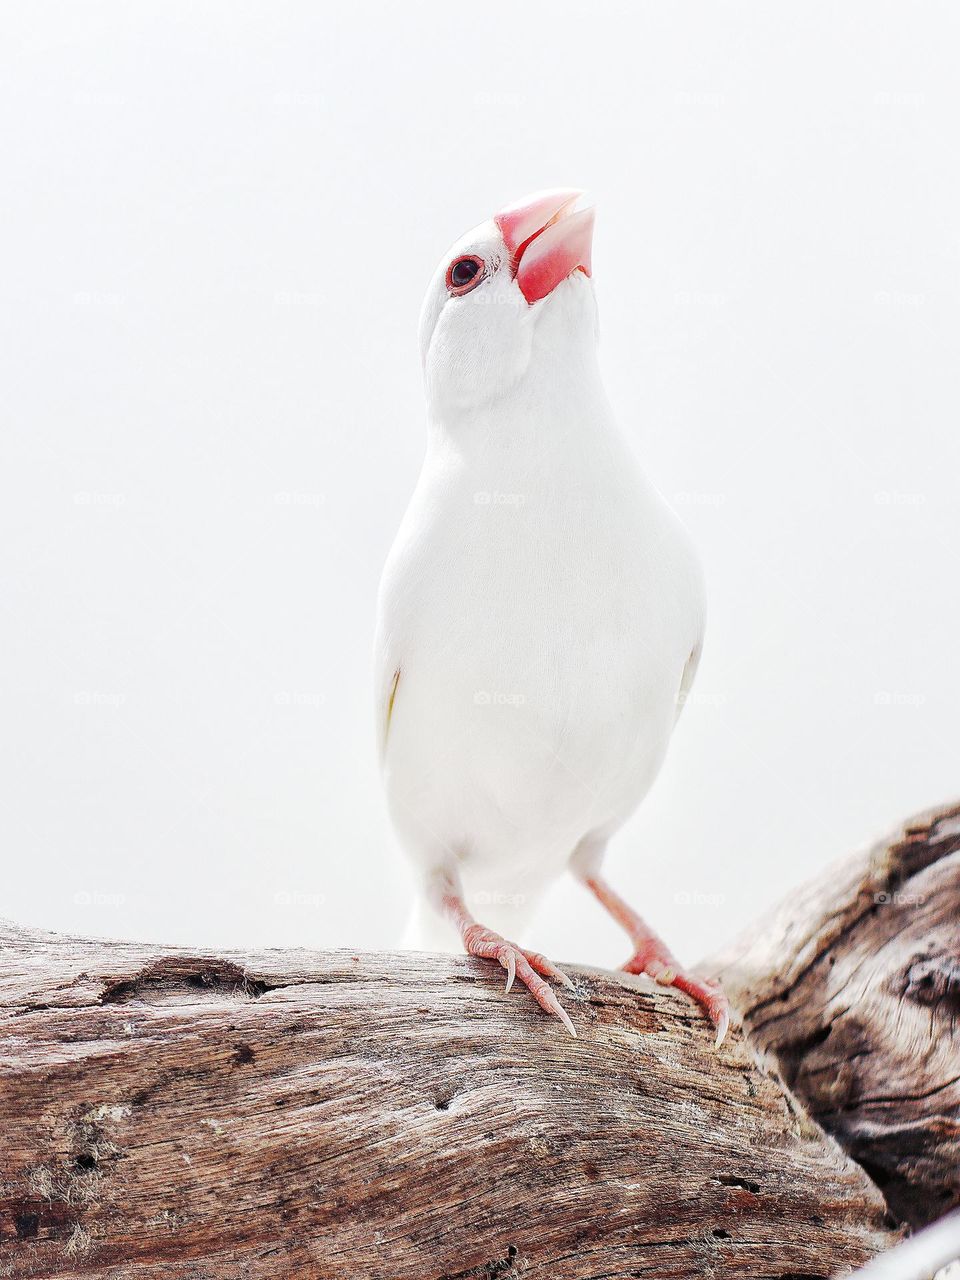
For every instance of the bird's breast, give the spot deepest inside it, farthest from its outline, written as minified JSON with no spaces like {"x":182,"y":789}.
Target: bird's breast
{"x":542,"y":633}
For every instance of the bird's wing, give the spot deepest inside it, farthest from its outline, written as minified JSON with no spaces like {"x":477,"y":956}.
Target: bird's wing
{"x":688,"y":676}
{"x":387,"y":699}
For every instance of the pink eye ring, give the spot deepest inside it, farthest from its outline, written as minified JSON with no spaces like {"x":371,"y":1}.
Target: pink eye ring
{"x":464,"y":274}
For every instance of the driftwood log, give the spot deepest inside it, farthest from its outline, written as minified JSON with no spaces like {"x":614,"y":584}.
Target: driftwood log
{"x":853,"y":987}
{"x":176,"y":1113}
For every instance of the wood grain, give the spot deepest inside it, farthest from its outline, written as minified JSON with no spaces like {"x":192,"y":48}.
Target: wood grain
{"x":165,"y":1113}
{"x":853,"y":987}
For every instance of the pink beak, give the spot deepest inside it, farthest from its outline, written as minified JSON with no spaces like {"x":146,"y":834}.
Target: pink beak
{"x":545,"y":241}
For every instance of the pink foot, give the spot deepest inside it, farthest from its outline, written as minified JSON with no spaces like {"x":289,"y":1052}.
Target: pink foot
{"x":525,"y":965}
{"x":653,"y":958}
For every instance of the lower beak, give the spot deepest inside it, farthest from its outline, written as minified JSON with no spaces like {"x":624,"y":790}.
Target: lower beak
{"x":546,"y":241}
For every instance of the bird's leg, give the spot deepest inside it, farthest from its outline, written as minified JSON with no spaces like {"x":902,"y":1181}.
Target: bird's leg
{"x":652,"y":956}
{"x":530,"y":967}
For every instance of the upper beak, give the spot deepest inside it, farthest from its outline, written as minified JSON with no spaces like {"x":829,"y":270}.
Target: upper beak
{"x":546,"y":241}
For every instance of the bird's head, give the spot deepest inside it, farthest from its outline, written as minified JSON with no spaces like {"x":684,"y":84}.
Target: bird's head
{"x":514,"y":285}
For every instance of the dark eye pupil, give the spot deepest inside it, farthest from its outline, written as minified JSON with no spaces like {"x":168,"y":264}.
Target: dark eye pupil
{"x":463,"y":272}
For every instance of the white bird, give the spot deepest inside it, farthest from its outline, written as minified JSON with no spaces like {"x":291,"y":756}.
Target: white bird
{"x":541,"y":612}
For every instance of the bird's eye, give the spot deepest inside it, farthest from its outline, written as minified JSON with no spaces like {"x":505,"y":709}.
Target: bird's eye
{"x":463,"y":274}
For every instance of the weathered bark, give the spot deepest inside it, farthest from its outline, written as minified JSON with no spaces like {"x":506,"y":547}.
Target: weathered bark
{"x":164,"y":1114}
{"x":169,"y":1113}
{"x":853,"y":987}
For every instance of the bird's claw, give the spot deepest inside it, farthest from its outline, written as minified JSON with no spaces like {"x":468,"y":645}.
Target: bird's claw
{"x":529,"y":966}
{"x":510,"y":961}
{"x":722,"y":1024}
{"x":653,"y":959}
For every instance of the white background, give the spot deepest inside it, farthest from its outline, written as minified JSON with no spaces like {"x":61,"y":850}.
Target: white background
{"x":218,"y":222}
